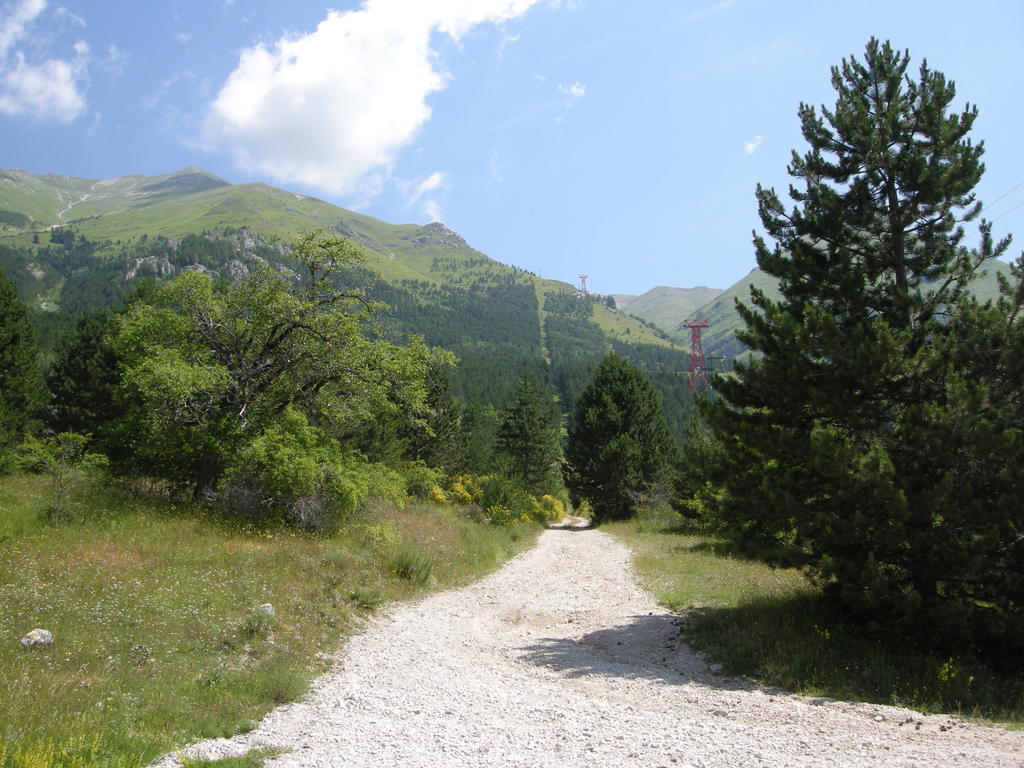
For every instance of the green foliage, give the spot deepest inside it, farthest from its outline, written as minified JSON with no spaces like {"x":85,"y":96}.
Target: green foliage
{"x":290,"y":472}
{"x":85,"y":376}
{"x":22,"y":394}
{"x":856,"y":442}
{"x":505,"y":502}
{"x":619,"y":445}
{"x":214,"y":365}
{"x":254,"y":758}
{"x":65,"y":459}
{"x":529,"y":438}
{"x":412,"y":563}
{"x":420,"y":479}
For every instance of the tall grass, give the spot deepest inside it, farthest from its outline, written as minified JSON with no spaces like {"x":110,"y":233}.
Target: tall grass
{"x":773,"y":626}
{"x":154,"y":608}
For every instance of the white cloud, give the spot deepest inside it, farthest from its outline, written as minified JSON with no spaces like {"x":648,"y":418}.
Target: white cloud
{"x":436,"y":180}
{"x":74,"y":18}
{"x":425,"y":195}
{"x":43,"y":88}
{"x":333,"y":106}
{"x":183,"y":37}
{"x":114,"y":62}
{"x":495,"y":165}
{"x":432,"y":210}
{"x":47,"y":91}
{"x":13,"y":27}
{"x":753,"y":144}
{"x":577,"y":90}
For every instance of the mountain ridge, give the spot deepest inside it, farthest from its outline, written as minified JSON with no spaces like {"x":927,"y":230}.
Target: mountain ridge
{"x":70,"y":245}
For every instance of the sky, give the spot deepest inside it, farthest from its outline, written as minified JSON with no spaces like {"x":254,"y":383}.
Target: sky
{"x":623,"y":140}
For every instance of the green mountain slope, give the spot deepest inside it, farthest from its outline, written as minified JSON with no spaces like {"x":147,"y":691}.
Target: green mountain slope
{"x":71,"y":244}
{"x":666,"y":307}
{"x":723,"y":320}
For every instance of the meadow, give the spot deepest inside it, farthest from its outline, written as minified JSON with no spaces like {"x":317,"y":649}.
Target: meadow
{"x":155,"y":609}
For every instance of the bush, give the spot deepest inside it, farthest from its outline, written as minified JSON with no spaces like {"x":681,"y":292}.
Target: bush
{"x":466,"y":489}
{"x":292,"y":473}
{"x":505,"y":502}
{"x":551,"y":510}
{"x":420,"y":479}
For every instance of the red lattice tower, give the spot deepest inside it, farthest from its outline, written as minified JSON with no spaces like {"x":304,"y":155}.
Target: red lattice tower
{"x":698,"y":373}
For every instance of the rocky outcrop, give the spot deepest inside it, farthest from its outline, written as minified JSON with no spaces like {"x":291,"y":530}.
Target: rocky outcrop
{"x":437,"y":233}
{"x":160,"y":267}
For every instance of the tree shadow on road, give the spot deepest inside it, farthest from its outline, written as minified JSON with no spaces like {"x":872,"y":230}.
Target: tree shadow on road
{"x":646,"y":648}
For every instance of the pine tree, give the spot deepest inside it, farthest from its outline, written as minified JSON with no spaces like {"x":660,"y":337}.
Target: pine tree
{"x":22,"y":394}
{"x":619,"y":445}
{"x":85,"y":376}
{"x":840,"y":441}
{"x":529,"y":437}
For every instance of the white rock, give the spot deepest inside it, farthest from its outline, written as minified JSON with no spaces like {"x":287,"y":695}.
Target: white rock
{"x":268,"y":609}
{"x":37,"y":637}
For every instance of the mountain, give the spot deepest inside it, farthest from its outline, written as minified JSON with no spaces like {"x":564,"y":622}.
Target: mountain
{"x":70,"y":244}
{"x":666,"y":307}
{"x":719,"y":339}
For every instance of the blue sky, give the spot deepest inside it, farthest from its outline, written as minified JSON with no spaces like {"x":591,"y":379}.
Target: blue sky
{"x":619,"y":139}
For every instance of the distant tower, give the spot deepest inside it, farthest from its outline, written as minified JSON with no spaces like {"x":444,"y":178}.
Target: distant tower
{"x":698,"y":373}
{"x":582,"y":290}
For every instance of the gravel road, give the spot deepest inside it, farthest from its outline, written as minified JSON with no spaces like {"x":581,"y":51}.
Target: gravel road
{"x":560,"y":659}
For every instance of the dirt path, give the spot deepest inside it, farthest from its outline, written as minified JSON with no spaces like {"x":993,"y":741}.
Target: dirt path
{"x":560,"y":659}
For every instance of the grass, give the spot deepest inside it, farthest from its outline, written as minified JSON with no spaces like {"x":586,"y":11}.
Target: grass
{"x":775,"y":627}
{"x":159,"y":639}
{"x":254,"y":758}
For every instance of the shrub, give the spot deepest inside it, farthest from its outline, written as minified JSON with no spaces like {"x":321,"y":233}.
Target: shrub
{"x":550,"y":509}
{"x":292,"y":473}
{"x":436,"y":495}
{"x":420,"y":480}
{"x":374,"y":480}
{"x":466,"y":489}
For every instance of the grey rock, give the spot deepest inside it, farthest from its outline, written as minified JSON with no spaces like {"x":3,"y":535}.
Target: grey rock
{"x":37,"y":637}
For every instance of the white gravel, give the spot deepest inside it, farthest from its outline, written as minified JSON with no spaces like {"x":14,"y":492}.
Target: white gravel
{"x":560,"y":659}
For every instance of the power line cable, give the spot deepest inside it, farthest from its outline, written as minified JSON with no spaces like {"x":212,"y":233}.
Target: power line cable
{"x":1001,"y":197}
{"x":1018,"y":205}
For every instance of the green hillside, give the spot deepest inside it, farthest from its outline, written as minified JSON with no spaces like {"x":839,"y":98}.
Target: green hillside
{"x":72,"y":244}
{"x":666,"y":307}
{"x":723,"y":319}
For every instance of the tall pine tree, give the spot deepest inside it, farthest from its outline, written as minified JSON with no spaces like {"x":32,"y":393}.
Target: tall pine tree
{"x":85,"y":376}
{"x":529,"y":438}
{"x":840,"y":439}
{"x":22,"y":394}
{"x":620,"y":447}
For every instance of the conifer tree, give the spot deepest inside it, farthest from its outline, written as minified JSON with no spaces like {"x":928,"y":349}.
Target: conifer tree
{"x":840,"y":441}
{"x":529,"y":437}
{"x":84,"y":377}
{"x":619,"y":445}
{"x":22,"y":394}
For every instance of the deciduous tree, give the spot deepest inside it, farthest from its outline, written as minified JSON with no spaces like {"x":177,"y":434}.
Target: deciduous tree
{"x":215,"y":364}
